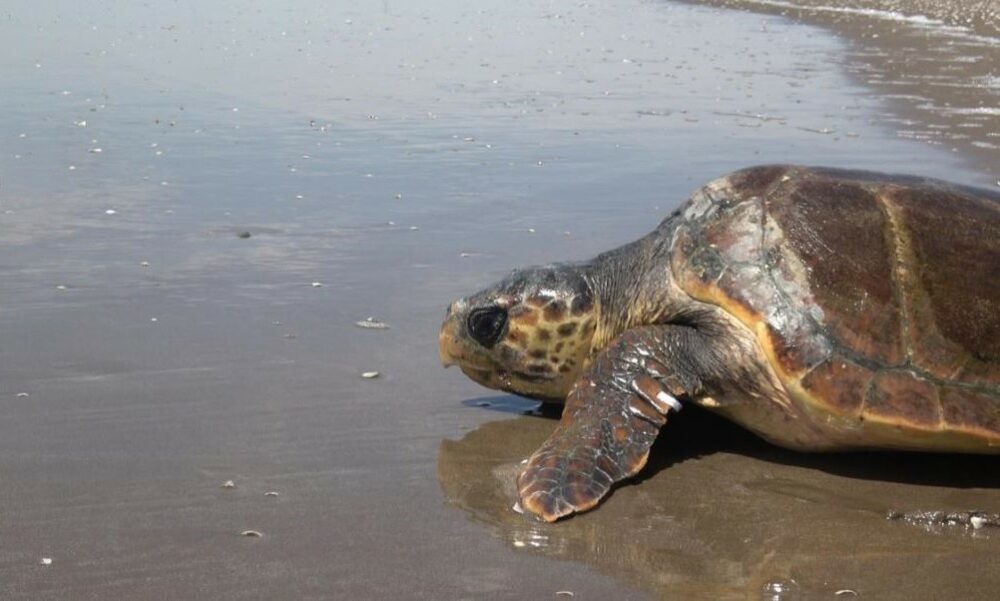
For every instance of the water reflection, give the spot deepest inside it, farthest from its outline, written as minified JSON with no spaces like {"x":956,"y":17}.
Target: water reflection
{"x":720,"y":515}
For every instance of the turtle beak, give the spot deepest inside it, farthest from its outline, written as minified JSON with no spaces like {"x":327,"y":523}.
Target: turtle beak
{"x":448,"y":346}
{"x":445,"y":344}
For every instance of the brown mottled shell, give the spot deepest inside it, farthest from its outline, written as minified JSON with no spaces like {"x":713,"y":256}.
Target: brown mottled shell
{"x":875,"y":298}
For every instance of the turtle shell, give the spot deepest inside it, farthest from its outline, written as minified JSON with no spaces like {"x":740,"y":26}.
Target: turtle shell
{"x":876,"y":299}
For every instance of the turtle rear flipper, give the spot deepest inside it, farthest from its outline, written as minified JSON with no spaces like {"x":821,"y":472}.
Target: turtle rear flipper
{"x":611,"y":419}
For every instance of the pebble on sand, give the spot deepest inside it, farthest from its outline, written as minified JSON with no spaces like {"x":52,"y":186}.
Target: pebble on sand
{"x":370,"y":375}
{"x":228,"y":484}
{"x":46,"y":561}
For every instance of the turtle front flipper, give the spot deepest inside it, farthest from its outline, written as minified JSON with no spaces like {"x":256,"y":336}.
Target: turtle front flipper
{"x":612,"y":416}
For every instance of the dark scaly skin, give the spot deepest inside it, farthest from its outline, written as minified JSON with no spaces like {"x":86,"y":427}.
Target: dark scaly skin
{"x":612,"y":417}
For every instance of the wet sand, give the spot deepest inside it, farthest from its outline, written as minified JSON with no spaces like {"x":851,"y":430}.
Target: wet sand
{"x":721,"y":515}
{"x":979,"y":17}
{"x":934,"y":63}
{"x":385,"y":159}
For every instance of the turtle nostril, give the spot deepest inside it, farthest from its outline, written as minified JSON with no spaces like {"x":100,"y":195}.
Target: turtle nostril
{"x":455,"y":307}
{"x":486,"y":325}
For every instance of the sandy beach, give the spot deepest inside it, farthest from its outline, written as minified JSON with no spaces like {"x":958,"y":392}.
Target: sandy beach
{"x":199,"y":203}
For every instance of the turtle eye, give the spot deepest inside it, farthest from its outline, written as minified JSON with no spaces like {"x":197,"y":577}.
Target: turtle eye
{"x":486,"y":324}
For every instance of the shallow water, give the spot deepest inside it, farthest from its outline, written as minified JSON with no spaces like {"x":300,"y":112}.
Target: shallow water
{"x":384,"y":159}
{"x":936,"y":63}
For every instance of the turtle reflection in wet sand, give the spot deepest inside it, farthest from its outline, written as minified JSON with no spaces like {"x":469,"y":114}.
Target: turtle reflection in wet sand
{"x":822,"y":309}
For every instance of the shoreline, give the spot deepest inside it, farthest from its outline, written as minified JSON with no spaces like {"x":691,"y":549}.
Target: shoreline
{"x":932,"y":62}
{"x":976,"y":17}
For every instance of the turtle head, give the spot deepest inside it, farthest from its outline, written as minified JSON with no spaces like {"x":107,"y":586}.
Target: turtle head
{"x":529,"y":334}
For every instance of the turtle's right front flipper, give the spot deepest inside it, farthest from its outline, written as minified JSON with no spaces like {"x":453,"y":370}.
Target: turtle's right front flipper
{"x":612,"y":417}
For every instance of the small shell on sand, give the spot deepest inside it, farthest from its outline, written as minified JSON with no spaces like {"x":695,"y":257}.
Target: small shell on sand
{"x":371,"y":323}
{"x":370,"y":375}
{"x":228,"y":484}
{"x":46,"y":561}
{"x":251,"y":533}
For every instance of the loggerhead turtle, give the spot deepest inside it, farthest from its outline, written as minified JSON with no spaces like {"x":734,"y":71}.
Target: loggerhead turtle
{"x":822,"y":309}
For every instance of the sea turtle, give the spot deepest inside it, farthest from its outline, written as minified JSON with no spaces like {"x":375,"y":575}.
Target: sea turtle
{"x":822,"y":309}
